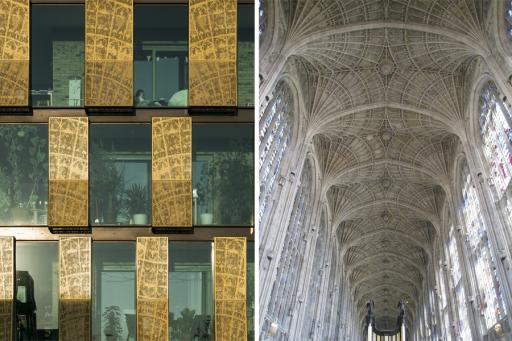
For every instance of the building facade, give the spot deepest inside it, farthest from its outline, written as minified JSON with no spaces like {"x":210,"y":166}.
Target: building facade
{"x":126,"y":170}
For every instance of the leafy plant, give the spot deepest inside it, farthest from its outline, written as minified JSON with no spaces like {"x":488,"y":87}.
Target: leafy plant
{"x":190,"y":326}
{"x":137,"y":199}
{"x":234,"y":170}
{"x":24,"y":165}
{"x":107,"y":183}
{"x":205,"y":188}
{"x":113,"y":318}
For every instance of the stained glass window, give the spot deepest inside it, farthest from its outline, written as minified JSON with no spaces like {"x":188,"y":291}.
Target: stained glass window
{"x":286,"y":284}
{"x":463,"y":322}
{"x":262,"y":15}
{"x":443,"y":302}
{"x":464,"y":329}
{"x":275,"y":133}
{"x":491,"y":302}
{"x":508,"y":17}
{"x":496,"y":135}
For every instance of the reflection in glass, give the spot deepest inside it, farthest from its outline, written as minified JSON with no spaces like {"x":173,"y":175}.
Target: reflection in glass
{"x":190,"y":291}
{"x":23,"y":174}
{"x":250,"y":291}
{"x":57,"y":55}
{"x":246,"y":55}
{"x":120,"y":168}
{"x":113,"y":302}
{"x":161,"y":55}
{"x":37,"y":277}
{"x":223,"y":174}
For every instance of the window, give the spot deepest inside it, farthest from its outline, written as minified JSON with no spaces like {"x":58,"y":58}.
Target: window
{"x":160,"y":55}
{"x":37,"y":291}
{"x":223,"y":174}
{"x":113,"y":283}
{"x":190,"y":291}
{"x":57,"y":55}
{"x":245,"y":55}
{"x":443,"y":303}
{"x":464,"y":326}
{"x":491,"y":302}
{"x":250,"y":291}
{"x":23,"y":174}
{"x":263,"y":17}
{"x":120,"y":174}
{"x":275,"y":134}
{"x":286,"y":284}
{"x":508,"y":18}
{"x":496,"y":136}
{"x":458,"y":287}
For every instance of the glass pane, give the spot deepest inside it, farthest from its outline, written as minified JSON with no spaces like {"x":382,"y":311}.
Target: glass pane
{"x":161,"y":55}
{"x":223,"y":174}
{"x":120,"y":174}
{"x":57,"y":55}
{"x":37,"y":291}
{"x":23,"y":174}
{"x":190,"y":291}
{"x":250,"y":291}
{"x":113,"y":298}
{"x":246,"y":55}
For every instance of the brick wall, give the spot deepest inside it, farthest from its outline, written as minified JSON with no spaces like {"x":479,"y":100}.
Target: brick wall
{"x":68,"y":64}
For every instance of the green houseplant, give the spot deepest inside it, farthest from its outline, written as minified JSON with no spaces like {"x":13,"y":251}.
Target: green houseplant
{"x":190,"y":326}
{"x":137,"y":203}
{"x":205,"y":194}
{"x":107,"y":183}
{"x":24,"y":166}
{"x":234,"y":183}
{"x":115,"y":328}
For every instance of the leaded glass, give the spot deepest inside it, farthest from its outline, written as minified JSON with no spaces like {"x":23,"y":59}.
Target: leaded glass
{"x":262,"y":15}
{"x":456,"y":277}
{"x":275,"y":133}
{"x":496,"y":133}
{"x":443,"y":302}
{"x":491,"y":304}
{"x":508,"y":18}
{"x":464,"y":329}
{"x":286,"y":285}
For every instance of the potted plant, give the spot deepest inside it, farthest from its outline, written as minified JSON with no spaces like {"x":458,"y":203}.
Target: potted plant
{"x":114,"y":320}
{"x":107,"y":183}
{"x":205,"y":194}
{"x":137,"y":203}
{"x":190,"y":326}
{"x":235,"y":184}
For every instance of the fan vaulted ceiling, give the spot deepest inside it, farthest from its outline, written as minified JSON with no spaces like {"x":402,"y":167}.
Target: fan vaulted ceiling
{"x":383,"y":85}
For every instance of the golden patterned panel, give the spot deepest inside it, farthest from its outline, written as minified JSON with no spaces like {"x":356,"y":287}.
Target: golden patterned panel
{"x":68,"y":171}
{"x":172,"y":148}
{"x":108,"y":53}
{"x":6,"y":287}
{"x":172,"y":171}
{"x":230,"y":288}
{"x":74,"y":288}
{"x":171,"y":203}
{"x":213,"y":52}
{"x":14,"y":52}
{"x":67,"y":204}
{"x":68,"y":148}
{"x":152,"y":288}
